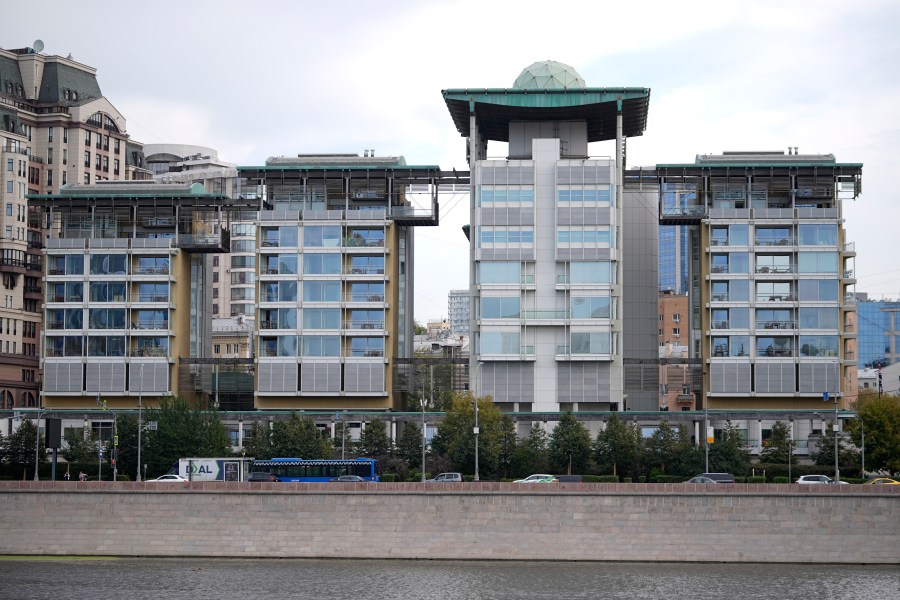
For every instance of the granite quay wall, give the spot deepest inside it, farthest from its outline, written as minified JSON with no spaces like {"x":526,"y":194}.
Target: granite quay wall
{"x":598,"y":522}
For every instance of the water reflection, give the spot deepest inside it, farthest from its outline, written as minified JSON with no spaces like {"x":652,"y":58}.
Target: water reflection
{"x":198,"y":579}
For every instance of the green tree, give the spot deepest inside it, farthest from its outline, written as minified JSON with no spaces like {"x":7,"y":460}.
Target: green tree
{"x":409,"y":446}
{"x":418,"y":328}
{"x":881,"y":418}
{"x":455,"y":439}
{"x":20,"y":447}
{"x":126,"y":428}
{"x":618,"y":447}
{"x":824,"y":454}
{"x":374,"y":441}
{"x":342,"y":442}
{"x":661,"y":449}
{"x":530,"y":455}
{"x":778,"y":448}
{"x":184,"y":430}
{"x":298,"y":437}
{"x":81,"y":446}
{"x":570,"y":445}
{"x":508,"y":442}
{"x":728,"y":454}
{"x":258,"y":442}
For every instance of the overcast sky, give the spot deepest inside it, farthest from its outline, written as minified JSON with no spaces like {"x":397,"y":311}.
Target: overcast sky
{"x":260,"y":79}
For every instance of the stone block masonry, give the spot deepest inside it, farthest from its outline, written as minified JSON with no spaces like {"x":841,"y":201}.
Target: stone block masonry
{"x":598,"y":522}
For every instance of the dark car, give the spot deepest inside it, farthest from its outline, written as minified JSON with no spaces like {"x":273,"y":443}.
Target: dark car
{"x":350,"y":478}
{"x":261,"y":476}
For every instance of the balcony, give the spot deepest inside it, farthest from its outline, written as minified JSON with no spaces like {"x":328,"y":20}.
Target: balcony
{"x":268,"y":324}
{"x":364,"y":325}
{"x":152,"y":298}
{"x":33,"y":292}
{"x":365,"y":298}
{"x":364,"y":271}
{"x":776,"y":269}
{"x":150,"y":325}
{"x":776,"y":298}
{"x":150,"y":271}
{"x":776,"y":325}
{"x":11,"y":265}
{"x":150,"y":351}
{"x":789,"y":241}
{"x":366,"y":353}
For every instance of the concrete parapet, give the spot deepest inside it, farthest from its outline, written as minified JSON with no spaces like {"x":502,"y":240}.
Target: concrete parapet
{"x":587,"y":521}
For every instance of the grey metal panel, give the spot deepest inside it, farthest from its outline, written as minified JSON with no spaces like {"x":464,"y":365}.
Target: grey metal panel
{"x":320,"y":377}
{"x":62,"y":377}
{"x":513,"y":215}
{"x":592,"y":215}
{"x":277,"y":377}
{"x":507,"y":254}
{"x":508,"y":381}
{"x":775,"y":377}
{"x":819,"y":377}
{"x":104,"y":377}
{"x":582,"y":253}
{"x":729,"y":377}
{"x":364,"y":377}
{"x":583,"y":381}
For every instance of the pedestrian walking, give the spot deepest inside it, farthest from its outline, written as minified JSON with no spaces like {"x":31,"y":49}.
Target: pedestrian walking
{"x":67,"y":477}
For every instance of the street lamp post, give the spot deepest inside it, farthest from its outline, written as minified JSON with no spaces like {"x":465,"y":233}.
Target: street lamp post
{"x":837,"y":471}
{"x":706,"y":436}
{"x":475,"y":431}
{"x":140,"y":421}
{"x":37,"y":444}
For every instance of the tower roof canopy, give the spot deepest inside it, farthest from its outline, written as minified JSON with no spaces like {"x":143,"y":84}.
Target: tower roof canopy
{"x":495,"y":108}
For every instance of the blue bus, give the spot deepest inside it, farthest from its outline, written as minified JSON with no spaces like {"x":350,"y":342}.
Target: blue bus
{"x":298,"y":469}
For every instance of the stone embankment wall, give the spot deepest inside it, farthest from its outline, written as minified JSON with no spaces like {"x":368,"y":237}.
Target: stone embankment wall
{"x":601,"y":522}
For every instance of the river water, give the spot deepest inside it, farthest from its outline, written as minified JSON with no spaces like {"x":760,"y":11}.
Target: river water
{"x":197,"y":579}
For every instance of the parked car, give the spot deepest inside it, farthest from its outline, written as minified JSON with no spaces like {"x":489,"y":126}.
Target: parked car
{"x":261,"y":476}
{"x":883,"y":481}
{"x":170,"y":479}
{"x":448,"y":478}
{"x":701,"y":479}
{"x":812,"y":479}
{"x":537,"y":478}
{"x":719,"y":477}
{"x":347,"y":478}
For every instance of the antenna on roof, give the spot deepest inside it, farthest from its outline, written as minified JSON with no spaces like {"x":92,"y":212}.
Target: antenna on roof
{"x":37,"y":46}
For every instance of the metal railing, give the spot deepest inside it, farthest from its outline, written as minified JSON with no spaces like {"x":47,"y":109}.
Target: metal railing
{"x":158,"y":324}
{"x":789,"y":241}
{"x":151,"y":271}
{"x":363,"y":324}
{"x":365,"y":298}
{"x":776,"y":325}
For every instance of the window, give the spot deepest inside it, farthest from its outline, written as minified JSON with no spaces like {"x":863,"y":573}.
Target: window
{"x":590,"y":343}
{"x":769,"y":291}
{"x":153,"y":265}
{"x":774,"y":318}
{"x":116,"y":150}
{"x":365,"y":292}
{"x":321,"y":264}
{"x":819,"y":318}
{"x":488,"y":196}
{"x":499,"y":272}
{"x":599,"y":234}
{"x":774,"y":346}
{"x":151,"y":346}
{"x":106,"y":318}
{"x":818,"y":289}
{"x":500,"y":343}
{"x":287,"y":291}
{"x":734,"y":345}
{"x":277,"y":237}
{"x":49,"y":156}
{"x":676,"y":318}
{"x":774,"y":236}
{"x":150,"y":319}
{"x":590,"y":272}
{"x":597,"y":196}
{"x":153,"y":292}
{"x":506,"y":235}
{"x":590,"y":307}
{"x":87,"y":138}
{"x":65,"y":135}
{"x":9,"y":209}
{"x":87,"y":178}
{"x":116,"y":163}
{"x":321,"y":345}
{"x":817,"y":262}
{"x":216,"y":349}
{"x":322,"y":236}
{"x":506,"y":307}
{"x":107,"y":264}
{"x":819,"y":345}
{"x":112,"y":291}
{"x":366,"y":319}
{"x":676,"y":331}
{"x":817,"y":235}
{"x":367,"y":265}
{"x":365,"y":238}
{"x":366,"y":346}
{"x":321,"y":318}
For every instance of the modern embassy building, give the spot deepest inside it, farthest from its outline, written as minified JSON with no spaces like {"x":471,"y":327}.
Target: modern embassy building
{"x":334,"y":268}
{"x":127,"y":301}
{"x":553,"y":316}
{"x":773,"y":308}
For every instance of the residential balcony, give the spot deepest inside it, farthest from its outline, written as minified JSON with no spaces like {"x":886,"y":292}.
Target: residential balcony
{"x":11,"y":265}
{"x":776,"y":325}
{"x":158,"y":324}
{"x":377,"y":325}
